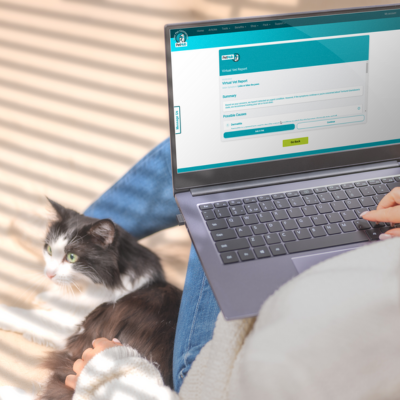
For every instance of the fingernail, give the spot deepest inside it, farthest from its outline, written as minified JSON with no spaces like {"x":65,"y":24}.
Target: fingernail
{"x":385,"y":236}
{"x":115,"y":340}
{"x":365,"y":212}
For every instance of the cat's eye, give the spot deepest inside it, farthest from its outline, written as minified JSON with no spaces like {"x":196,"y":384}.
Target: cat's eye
{"x":72,"y":258}
{"x":48,"y":249}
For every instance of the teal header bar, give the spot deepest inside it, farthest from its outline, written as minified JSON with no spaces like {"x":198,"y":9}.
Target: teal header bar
{"x":294,"y":55}
{"x":259,"y":131}
{"x":289,"y":33}
{"x":285,"y":156}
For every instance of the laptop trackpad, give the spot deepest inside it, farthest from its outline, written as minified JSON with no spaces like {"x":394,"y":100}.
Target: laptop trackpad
{"x":305,"y":262}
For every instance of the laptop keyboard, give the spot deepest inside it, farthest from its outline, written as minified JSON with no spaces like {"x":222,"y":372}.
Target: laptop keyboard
{"x":286,"y":223}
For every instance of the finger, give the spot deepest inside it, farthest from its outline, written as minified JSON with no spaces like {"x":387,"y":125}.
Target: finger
{"x":391,"y":214}
{"x":78,"y":366}
{"x":99,"y":342}
{"x":390,"y":200}
{"x":71,"y":380}
{"x":87,"y":355}
{"x":390,"y":234}
{"x":115,"y":340}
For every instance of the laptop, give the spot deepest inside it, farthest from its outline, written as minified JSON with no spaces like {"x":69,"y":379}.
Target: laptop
{"x":284,"y":130}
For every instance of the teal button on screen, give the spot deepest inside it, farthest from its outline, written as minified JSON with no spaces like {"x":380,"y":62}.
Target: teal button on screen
{"x":259,"y":131}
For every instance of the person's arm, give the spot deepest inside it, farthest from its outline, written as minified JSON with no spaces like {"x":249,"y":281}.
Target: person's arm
{"x":388,"y":210}
{"x":111,"y":371}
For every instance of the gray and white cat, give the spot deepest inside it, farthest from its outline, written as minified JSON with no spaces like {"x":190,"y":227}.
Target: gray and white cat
{"x":91,"y":257}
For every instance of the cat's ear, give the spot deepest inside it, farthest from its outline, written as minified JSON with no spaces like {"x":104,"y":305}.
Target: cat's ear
{"x":58,"y":208}
{"x":103,"y":231}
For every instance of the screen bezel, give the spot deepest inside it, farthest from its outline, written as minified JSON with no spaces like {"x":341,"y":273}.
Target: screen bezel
{"x":267,"y":169}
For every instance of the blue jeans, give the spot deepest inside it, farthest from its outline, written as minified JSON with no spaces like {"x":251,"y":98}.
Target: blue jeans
{"x":142,"y":202}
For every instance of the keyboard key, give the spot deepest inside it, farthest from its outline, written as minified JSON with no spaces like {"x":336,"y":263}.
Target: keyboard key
{"x":338,"y":206}
{"x":378,"y":198}
{"x":341,"y":195}
{"x":302,"y":234}
{"x":235,"y":202}
{"x":234,"y":222}
{"x":374,"y":182}
{"x":353,"y":193}
{"x":333,"y":188}
{"x":262,"y":252}
{"x":348,"y":216}
{"x":289,"y":225}
{"x":381,"y":189}
{"x":244,"y":231}
{"x":287,"y":236}
{"x":367,"y":191}
{"x":361,"y":184}
{"x":249,"y":200}
{"x":309,"y":210}
{"x":222,"y":213}
{"x":335,"y":217}
{"x":397,"y":178}
{"x":391,"y":186}
{"x":259,"y":229}
{"x":250,"y":219}
{"x":325,"y":198}
{"x":324,"y":208}
{"x":332,"y":229}
{"x":280,"y":215}
{"x":367,"y":202}
{"x":387,"y":180}
{"x":267,"y":206}
{"x":264,"y":198}
{"x":246,"y":255}
{"x":272,"y":238}
{"x":216,"y":224}
{"x":278,"y":196}
{"x":230,"y":245}
{"x":294,"y":213}
{"x":238,"y":210}
{"x":220,"y":204}
{"x":256,"y":241}
{"x":206,"y":207}
{"x":362,"y":224}
{"x":307,"y":192}
{"x":352,"y":204}
{"x":360,"y":211}
{"x":347,"y":186}
{"x":304,"y":222}
{"x":281,"y":204}
{"x":278,"y":250}
{"x":292,"y":194}
{"x":326,"y":241}
{"x":252,"y":208}
{"x":224,"y":234}
{"x":347,"y":227}
{"x":297,"y":202}
{"x":229,"y":258}
{"x":377,"y":224}
{"x":265,"y":217}
{"x":317,"y":231}
{"x":319,"y":220}
{"x":385,"y":229}
{"x":311,"y":200}
{"x":274,"y":227}
{"x":373,"y":233}
{"x":208,"y":214}
{"x":320,"y":190}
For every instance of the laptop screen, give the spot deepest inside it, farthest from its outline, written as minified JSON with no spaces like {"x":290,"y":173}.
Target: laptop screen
{"x":265,"y":91}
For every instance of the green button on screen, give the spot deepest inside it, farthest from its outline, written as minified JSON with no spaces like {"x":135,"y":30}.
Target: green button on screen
{"x":295,"y":142}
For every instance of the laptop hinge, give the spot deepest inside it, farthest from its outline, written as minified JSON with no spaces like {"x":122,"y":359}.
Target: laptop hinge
{"x":292,"y":178}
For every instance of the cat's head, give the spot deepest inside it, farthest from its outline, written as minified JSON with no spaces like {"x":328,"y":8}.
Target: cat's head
{"x":80,"y":249}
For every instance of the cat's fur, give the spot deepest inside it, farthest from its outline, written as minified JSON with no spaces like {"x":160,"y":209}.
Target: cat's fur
{"x":122,"y":294}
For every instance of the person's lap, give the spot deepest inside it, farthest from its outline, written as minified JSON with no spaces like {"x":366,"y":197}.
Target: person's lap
{"x":142,"y":202}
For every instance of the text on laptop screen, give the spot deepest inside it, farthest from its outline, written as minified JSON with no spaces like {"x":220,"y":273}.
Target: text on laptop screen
{"x":254,"y":92}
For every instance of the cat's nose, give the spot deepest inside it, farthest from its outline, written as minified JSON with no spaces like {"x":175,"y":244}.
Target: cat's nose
{"x":50,"y":275}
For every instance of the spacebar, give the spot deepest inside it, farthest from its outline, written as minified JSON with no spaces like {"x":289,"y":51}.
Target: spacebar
{"x":326,"y":241}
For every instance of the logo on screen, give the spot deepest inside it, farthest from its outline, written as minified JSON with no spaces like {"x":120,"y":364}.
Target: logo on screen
{"x":181,"y":39}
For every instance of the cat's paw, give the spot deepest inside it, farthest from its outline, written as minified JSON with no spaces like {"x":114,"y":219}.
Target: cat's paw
{"x":13,"y":393}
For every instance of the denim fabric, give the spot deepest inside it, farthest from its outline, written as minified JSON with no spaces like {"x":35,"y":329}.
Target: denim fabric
{"x":142,"y":202}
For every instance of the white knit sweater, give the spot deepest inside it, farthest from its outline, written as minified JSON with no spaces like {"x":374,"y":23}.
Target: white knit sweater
{"x":331,"y":333}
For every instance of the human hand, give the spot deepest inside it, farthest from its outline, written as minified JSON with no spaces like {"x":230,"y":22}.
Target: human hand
{"x":98,"y":346}
{"x":388,"y":210}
